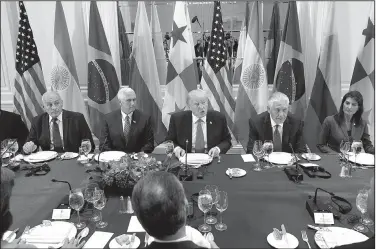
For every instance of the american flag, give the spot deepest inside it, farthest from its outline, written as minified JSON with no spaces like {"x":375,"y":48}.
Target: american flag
{"x":29,"y":84}
{"x":216,"y":76}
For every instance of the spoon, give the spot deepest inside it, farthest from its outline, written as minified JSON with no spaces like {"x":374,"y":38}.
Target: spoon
{"x":82,"y":234}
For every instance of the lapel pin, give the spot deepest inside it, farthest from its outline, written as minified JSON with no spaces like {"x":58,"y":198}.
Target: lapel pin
{"x":210,"y":122}
{"x":134,"y":121}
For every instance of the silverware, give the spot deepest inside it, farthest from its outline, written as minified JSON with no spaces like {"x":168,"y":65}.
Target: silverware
{"x":146,"y":239}
{"x":26,"y":231}
{"x":11,"y":234}
{"x":320,"y":237}
{"x":219,"y":159}
{"x":284,"y":234}
{"x":229,"y":173}
{"x":82,"y":234}
{"x":305,"y":237}
{"x":319,"y":228}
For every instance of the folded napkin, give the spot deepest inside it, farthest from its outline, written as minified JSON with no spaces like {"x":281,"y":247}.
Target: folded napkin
{"x":47,"y":235}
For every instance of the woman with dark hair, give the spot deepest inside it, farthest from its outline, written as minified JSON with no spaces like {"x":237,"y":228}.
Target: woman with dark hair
{"x":347,"y":125}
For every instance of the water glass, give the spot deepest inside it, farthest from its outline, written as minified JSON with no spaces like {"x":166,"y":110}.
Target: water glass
{"x":86,"y":148}
{"x":361,"y":204}
{"x":169,"y":148}
{"x":356,"y":147}
{"x":268,"y":149}
{"x":213,"y":189}
{"x":221,"y":206}
{"x":91,"y":195}
{"x":205,"y":203}
{"x":76,"y":202}
{"x":100,"y":204}
{"x":258,"y":152}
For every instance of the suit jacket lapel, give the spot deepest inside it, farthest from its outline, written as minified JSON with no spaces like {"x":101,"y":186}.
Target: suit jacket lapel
{"x":344,"y":130}
{"x":66,"y":123}
{"x":268,"y":131}
{"x":286,"y":133}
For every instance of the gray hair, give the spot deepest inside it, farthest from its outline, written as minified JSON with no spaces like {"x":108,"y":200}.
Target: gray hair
{"x":278,"y":97}
{"x":159,"y":202}
{"x":48,"y":93}
{"x":123,"y":91}
{"x":197,"y":92}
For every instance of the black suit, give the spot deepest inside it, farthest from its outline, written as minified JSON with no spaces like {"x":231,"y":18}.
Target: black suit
{"x":180,"y":130}
{"x":75,"y":129}
{"x":141,"y":136}
{"x":261,"y":129}
{"x":12,"y":126}
{"x":173,"y":245}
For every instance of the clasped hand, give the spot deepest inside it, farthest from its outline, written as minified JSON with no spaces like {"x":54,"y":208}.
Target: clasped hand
{"x":29,"y":147}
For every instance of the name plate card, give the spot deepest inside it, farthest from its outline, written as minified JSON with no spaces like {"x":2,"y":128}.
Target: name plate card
{"x":324,"y":218}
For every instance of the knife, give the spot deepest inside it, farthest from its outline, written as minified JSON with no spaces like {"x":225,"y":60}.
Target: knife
{"x":11,"y":234}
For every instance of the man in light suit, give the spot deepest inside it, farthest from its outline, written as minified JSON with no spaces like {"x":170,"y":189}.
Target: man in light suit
{"x":278,"y":126}
{"x":57,"y":129}
{"x":202,"y":131}
{"x":128,"y":129}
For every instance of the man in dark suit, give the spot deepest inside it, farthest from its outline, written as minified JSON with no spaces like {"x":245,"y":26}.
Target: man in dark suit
{"x":206,"y":131}
{"x":276,"y":125}
{"x":57,"y":129}
{"x":160,"y":204}
{"x":128,"y":129}
{"x":12,"y":126}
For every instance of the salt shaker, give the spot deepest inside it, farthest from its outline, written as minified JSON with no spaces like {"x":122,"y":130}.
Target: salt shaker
{"x":123,"y":206}
{"x":129,"y":206}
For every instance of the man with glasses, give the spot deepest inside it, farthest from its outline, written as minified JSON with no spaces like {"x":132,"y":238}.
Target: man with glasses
{"x":57,"y":129}
{"x":198,"y":129}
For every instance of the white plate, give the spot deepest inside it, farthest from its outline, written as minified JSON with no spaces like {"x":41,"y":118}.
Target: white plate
{"x":313,"y":157}
{"x":196,"y":159}
{"x":7,"y":154}
{"x":236,"y":172}
{"x":135,"y":244}
{"x":292,"y":241}
{"x":69,"y":155}
{"x":110,"y":156}
{"x":338,"y":236}
{"x":58,"y":231}
{"x":362,"y":158}
{"x":6,"y":234}
{"x":279,"y":158}
{"x":41,"y":156}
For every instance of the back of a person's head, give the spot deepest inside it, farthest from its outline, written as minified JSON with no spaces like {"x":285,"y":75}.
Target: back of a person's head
{"x":7,"y":182}
{"x":158,"y":200}
{"x":371,"y":200}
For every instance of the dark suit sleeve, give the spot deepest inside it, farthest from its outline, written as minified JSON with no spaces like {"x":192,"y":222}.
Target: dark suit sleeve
{"x":148,"y":146}
{"x":21,"y":132}
{"x":85,"y":131}
{"x":225,"y":143}
{"x":324,"y":137}
{"x":252,"y":137}
{"x":367,"y":144}
{"x":171,"y":134}
{"x":33,"y":134}
{"x":105,"y":139}
{"x":300,"y":144}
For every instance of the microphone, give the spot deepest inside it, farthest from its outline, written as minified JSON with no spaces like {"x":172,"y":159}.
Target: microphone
{"x":185,"y":175}
{"x":194,"y":19}
{"x":65,"y":200}
{"x":316,"y":206}
{"x":315,"y":197}
{"x":70,"y":187}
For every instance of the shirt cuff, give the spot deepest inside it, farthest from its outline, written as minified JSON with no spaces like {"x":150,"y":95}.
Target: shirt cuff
{"x":177,"y":147}
{"x":219,"y":150}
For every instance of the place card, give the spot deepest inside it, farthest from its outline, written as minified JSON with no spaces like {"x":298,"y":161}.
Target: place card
{"x":135,"y":226}
{"x":98,"y":240}
{"x":61,"y":214}
{"x":324,"y":218}
{"x":248,"y":158}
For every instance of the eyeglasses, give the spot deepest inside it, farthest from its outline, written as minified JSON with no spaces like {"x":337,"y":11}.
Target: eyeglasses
{"x":37,"y":170}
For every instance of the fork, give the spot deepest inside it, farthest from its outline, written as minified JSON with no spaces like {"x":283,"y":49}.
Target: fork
{"x":305,"y":237}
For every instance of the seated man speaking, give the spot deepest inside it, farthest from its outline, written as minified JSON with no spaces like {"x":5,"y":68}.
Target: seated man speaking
{"x":278,"y":126}
{"x":206,"y":131}
{"x":57,"y":129}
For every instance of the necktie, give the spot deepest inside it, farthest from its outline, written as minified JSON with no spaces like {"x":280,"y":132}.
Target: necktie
{"x":200,"y":143}
{"x":56,"y":138}
{"x":277,"y":141}
{"x":127,"y":127}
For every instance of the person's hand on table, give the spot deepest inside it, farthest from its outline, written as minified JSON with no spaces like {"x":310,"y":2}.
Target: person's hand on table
{"x":210,"y":238}
{"x":214,"y":152}
{"x":179,"y":152}
{"x":29,"y":147}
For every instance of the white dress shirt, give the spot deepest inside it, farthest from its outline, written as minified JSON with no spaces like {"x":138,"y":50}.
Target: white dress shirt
{"x":60,"y":124}
{"x":123,"y":118}
{"x":194,"y":131}
{"x":280,"y":128}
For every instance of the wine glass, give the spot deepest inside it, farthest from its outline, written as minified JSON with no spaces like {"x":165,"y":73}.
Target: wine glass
{"x":76,"y":201}
{"x":91,"y":195}
{"x":268,"y":148}
{"x":345,"y":148}
{"x":221,"y":206}
{"x":169,"y":148}
{"x":357,"y":148}
{"x":99,"y":204}
{"x":213,"y":189}
{"x":13,"y":148}
{"x":86,"y":148}
{"x":258,"y":151}
{"x":361,"y":204}
{"x":205,"y":203}
{"x":4,"y":153}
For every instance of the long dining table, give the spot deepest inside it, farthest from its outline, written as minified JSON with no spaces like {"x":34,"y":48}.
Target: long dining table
{"x":257,"y":202}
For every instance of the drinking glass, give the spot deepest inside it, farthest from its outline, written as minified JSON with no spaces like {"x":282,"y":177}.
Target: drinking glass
{"x":221,"y":206}
{"x":361,"y":204}
{"x":5,"y":157}
{"x":13,"y":148}
{"x":86,"y":148}
{"x":258,"y":152}
{"x":204,"y":204}
{"x":268,"y":148}
{"x":169,"y":148}
{"x":100,"y":204}
{"x":76,"y":201}
{"x":213,"y":189}
{"x":91,"y":195}
{"x":357,"y":148}
{"x":346,"y":168}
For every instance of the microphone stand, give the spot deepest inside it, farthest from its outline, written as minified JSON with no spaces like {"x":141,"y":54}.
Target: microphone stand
{"x":318,"y":206}
{"x":65,"y":200}
{"x":185,"y":175}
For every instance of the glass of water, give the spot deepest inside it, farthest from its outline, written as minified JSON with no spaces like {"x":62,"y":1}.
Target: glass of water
{"x":268,"y":148}
{"x":205,"y":203}
{"x":258,"y":151}
{"x":100,"y":204}
{"x":76,"y":202}
{"x":86,"y":148}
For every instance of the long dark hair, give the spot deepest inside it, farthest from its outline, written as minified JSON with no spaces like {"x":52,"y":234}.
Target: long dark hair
{"x":357,"y":96}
